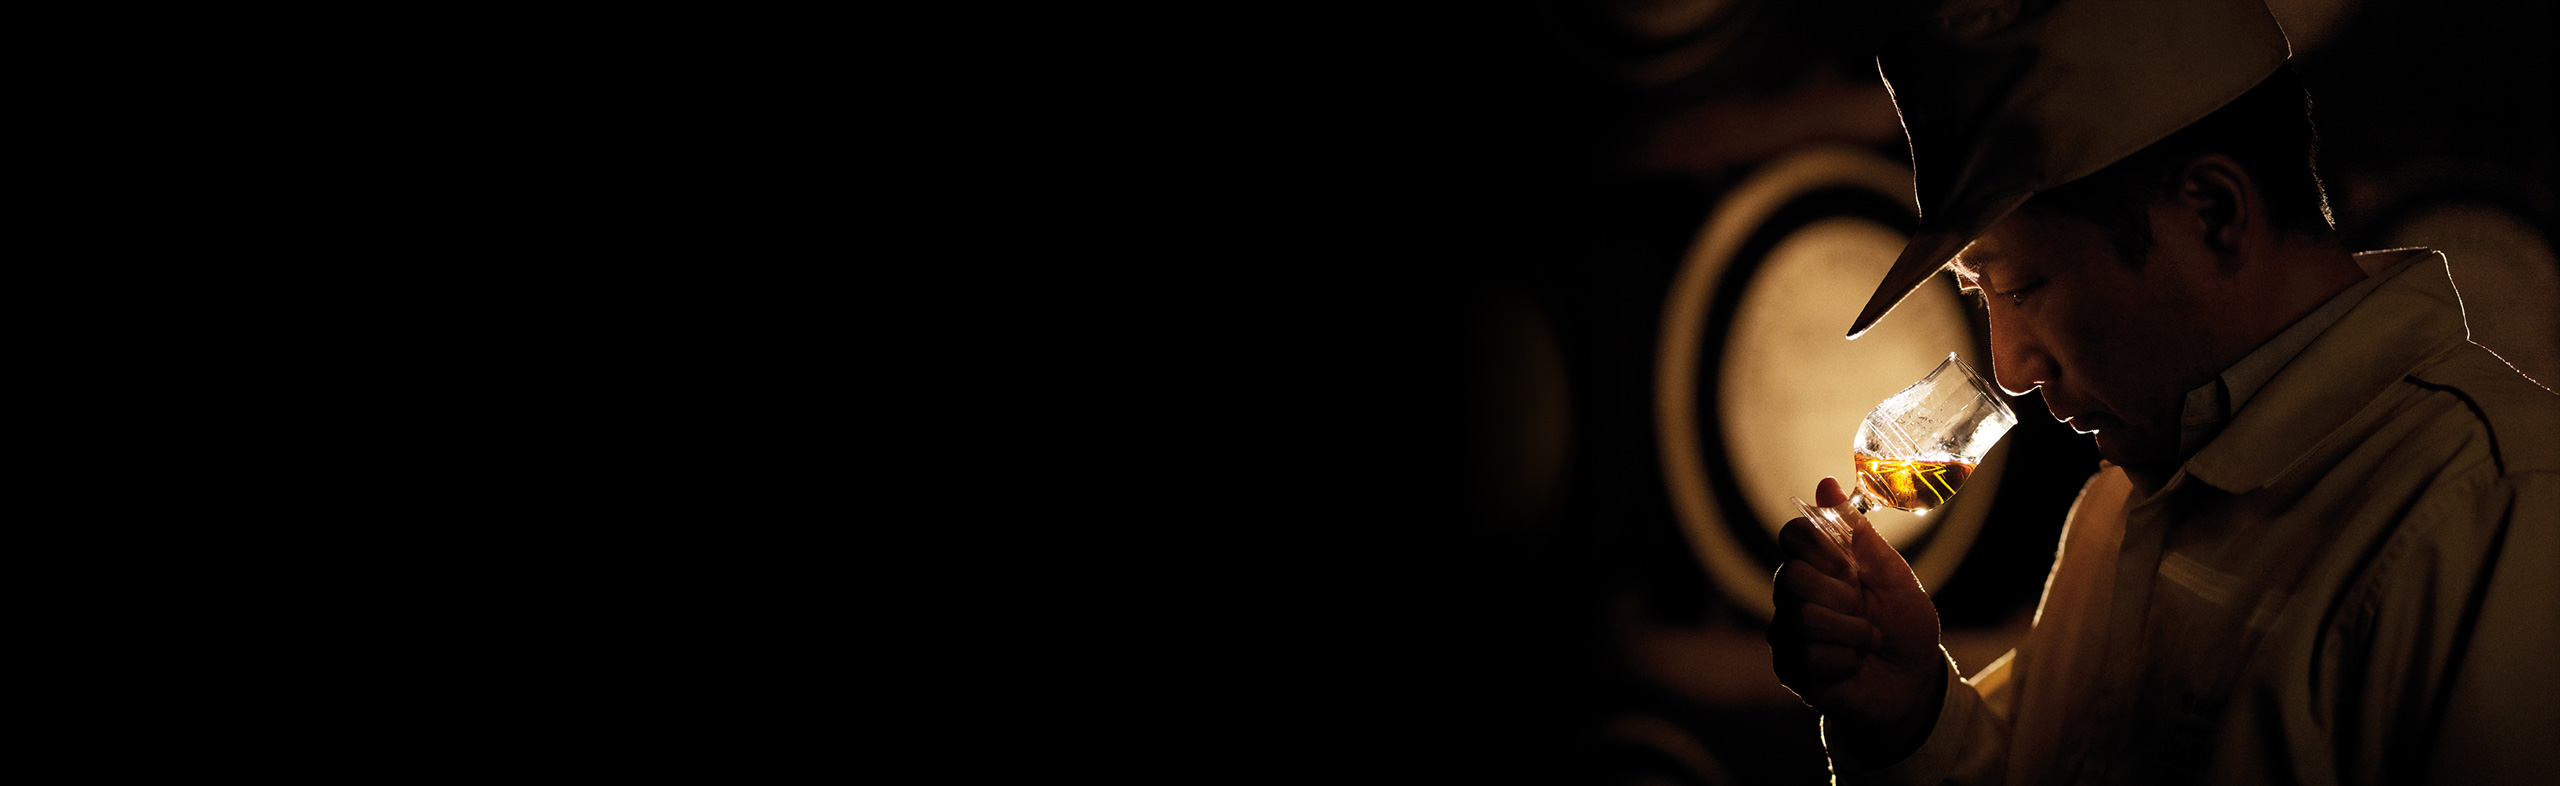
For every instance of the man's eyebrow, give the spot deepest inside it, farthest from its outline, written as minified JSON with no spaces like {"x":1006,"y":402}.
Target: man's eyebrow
{"x":1971,"y":264}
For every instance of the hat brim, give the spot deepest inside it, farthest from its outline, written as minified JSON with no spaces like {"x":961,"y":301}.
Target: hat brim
{"x":1926,"y":254}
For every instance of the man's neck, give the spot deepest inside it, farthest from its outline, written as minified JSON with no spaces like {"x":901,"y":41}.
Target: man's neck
{"x":2295,"y":276}
{"x":2149,"y":480}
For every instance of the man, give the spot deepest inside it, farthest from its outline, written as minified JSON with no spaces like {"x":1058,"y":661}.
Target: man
{"x":2322,"y":547}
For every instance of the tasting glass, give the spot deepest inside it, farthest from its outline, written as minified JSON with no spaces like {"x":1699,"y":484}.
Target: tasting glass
{"x":1916,"y":449}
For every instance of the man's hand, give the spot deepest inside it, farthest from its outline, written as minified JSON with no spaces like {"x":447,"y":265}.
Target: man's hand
{"x":1859,"y":645}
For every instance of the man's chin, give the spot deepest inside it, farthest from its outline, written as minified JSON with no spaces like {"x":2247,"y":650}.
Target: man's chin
{"x":2118,"y":445}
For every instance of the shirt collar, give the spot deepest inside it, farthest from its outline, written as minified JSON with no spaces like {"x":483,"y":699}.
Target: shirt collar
{"x":2210,"y":405}
{"x":2406,"y":313}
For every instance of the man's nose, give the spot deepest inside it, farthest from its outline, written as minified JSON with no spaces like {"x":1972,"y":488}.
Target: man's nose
{"x":2019,"y":363}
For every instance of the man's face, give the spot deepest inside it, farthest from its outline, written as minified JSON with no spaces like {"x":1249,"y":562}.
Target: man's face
{"x":2114,"y":347}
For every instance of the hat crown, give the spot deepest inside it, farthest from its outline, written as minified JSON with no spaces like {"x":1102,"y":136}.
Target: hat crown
{"x":1966,"y":20}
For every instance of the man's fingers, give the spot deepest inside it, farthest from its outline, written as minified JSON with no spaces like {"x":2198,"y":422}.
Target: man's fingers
{"x":1818,"y":625}
{"x":1812,"y":648}
{"x":1802,"y":581}
{"x":1812,"y":668}
{"x":1829,"y":663}
{"x":1800,"y":540}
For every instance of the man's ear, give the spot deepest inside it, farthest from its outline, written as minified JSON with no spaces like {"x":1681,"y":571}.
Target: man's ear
{"x":2223,"y":199}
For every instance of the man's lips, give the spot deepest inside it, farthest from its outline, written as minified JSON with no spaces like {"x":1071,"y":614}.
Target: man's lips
{"x":2089,"y":422}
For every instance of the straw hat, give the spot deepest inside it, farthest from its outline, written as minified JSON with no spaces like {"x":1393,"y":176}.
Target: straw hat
{"x":2004,"y":98}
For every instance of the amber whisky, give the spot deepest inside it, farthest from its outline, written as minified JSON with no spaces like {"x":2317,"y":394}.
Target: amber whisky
{"x":1911,"y":484}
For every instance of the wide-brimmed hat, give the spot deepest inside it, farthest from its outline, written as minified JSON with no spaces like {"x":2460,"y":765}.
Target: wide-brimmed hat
{"x":2004,"y":98}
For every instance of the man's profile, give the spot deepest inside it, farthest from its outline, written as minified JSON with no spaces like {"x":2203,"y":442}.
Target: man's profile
{"x":2325,"y":544}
